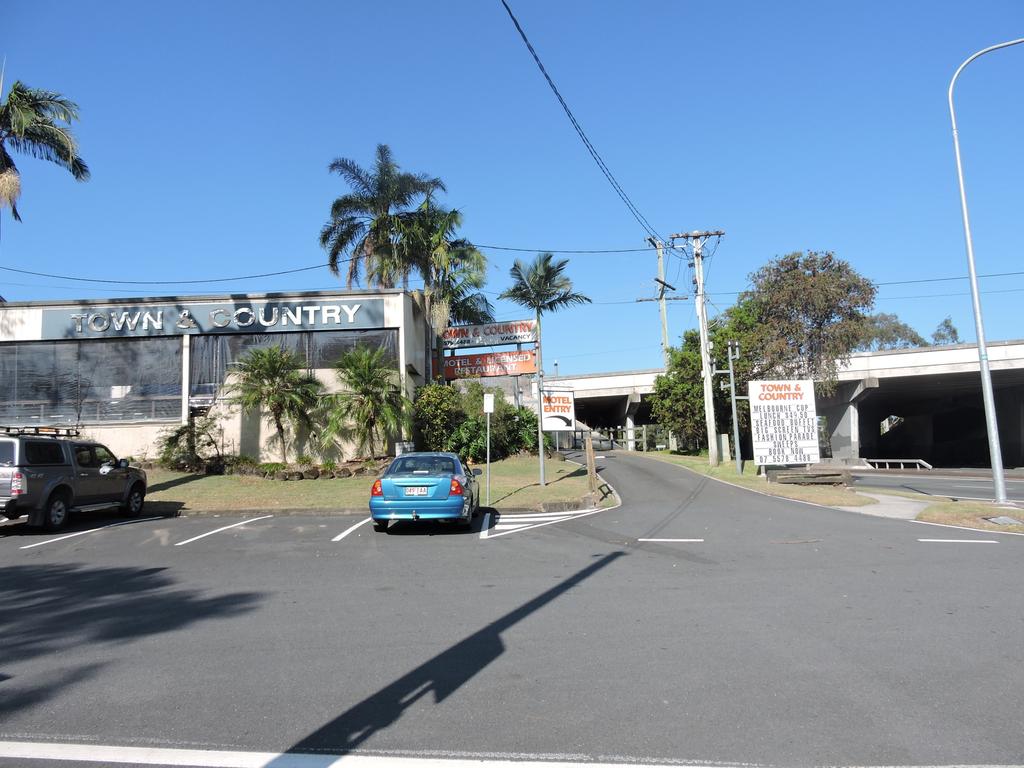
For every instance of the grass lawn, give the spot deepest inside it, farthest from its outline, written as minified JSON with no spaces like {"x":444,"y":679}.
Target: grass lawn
{"x":971,"y":514}
{"x":513,"y":486}
{"x":830,"y":496}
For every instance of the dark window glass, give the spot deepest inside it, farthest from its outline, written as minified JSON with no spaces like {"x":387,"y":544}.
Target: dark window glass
{"x":43,"y":452}
{"x":84,"y":457}
{"x":6,"y":452}
{"x":94,"y":380}
{"x":211,"y":357}
{"x":422,"y":465}
{"x":103,"y":456}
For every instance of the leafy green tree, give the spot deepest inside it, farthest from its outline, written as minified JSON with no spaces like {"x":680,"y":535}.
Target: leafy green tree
{"x":367,"y":222}
{"x":678,"y":398}
{"x":276,"y":381}
{"x":452,"y":419}
{"x":371,"y":406}
{"x":803,"y":315}
{"x":453,"y":270}
{"x":543,"y":287}
{"x":36,"y":123}
{"x":886,"y":331}
{"x":946,"y":332}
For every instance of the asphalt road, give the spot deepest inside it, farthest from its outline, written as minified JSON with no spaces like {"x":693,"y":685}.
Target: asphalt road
{"x":696,"y":623}
{"x":937,"y":483}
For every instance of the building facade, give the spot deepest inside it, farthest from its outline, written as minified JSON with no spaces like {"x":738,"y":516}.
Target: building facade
{"x":124,"y":370}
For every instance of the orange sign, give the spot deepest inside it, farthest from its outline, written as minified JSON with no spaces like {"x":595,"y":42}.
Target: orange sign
{"x":490,"y":364}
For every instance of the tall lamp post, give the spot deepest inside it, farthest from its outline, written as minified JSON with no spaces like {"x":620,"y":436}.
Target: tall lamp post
{"x":986,"y":376}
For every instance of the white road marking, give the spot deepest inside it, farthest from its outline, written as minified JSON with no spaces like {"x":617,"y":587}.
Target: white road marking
{"x":349,"y":530}
{"x":965,"y":528}
{"x":600,"y":457}
{"x":960,"y":541}
{"x":692,"y":541}
{"x":508,"y":526}
{"x":486,"y":525}
{"x":218,"y":530}
{"x":91,"y":530}
{"x":210,"y":758}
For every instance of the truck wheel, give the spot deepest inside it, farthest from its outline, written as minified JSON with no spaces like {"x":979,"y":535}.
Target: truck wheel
{"x":57,"y":508}
{"x":132,"y":506}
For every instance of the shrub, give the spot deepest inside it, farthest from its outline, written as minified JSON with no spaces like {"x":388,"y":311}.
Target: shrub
{"x":191,"y":447}
{"x":271,"y":468}
{"x":437,"y":413}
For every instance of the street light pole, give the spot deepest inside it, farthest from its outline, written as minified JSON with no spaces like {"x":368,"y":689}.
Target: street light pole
{"x":995,"y":451}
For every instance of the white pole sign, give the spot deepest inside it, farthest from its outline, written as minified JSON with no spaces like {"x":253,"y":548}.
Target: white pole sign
{"x":784,"y":422}
{"x":488,"y":409}
{"x":559,"y":410}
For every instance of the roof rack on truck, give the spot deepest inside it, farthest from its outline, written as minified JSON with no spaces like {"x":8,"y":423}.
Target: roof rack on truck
{"x":41,"y":431}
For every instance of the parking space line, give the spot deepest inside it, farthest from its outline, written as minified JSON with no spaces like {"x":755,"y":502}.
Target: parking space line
{"x":351,"y":528}
{"x":966,"y":528}
{"x":91,"y":530}
{"x":960,"y":541}
{"x":685,"y":541}
{"x":218,"y":530}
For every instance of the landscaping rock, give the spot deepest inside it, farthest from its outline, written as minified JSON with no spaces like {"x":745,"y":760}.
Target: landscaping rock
{"x":326,"y":475}
{"x":281,"y":475}
{"x":310,"y":474}
{"x":343,"y":472}
{"x":295,"y":475}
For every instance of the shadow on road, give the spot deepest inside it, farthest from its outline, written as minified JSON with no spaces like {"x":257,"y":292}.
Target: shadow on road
{"x":51,"y":610}
{"x":441,"y":676}
{"x":81,"y":520}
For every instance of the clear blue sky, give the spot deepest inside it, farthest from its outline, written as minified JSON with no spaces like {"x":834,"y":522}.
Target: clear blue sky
{"x":799,"y":125}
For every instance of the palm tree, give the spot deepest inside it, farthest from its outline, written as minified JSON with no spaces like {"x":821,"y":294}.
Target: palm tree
{"x":275,"y":380}
{"x":542,"y":287}
{"x":453,"y":270}
{"x":371,"y":405}
{"x":35,"y":123}
{"x":366,"y":222}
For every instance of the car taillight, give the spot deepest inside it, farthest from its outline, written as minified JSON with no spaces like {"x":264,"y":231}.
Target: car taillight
{"x":377,"y":489}
{"x":455,"y":489}
{"x":17,"y":484}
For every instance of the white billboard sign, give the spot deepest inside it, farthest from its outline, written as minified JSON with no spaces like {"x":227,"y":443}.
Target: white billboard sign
{"x":559,"y":411}
{"x":491,"y":334}
{"x":784,"y":422}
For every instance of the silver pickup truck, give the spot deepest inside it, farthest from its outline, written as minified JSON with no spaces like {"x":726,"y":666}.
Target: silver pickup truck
{"x":49,"y":473}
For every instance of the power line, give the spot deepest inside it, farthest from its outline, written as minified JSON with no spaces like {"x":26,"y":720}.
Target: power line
{"x":167,"y":282}
{"x":562,"y":250}
{"x":293,"y":271}
{"x":912,"y":282}
{"x":583,"y":136}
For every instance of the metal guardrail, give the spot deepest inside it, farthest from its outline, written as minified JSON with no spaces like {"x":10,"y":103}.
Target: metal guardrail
{"x":917,"y":464}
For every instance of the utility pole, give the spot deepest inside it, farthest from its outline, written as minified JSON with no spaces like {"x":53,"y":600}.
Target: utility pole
{"x":698,"y":238}
{"x":660,"y":246}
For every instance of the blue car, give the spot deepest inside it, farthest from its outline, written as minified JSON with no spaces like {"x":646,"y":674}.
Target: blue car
{"x":425,"y":486}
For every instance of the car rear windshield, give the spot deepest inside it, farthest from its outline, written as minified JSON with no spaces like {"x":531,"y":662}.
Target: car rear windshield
{"x":423,"y":465}
{"x":6,"y":451}
{"x":43,"y":452}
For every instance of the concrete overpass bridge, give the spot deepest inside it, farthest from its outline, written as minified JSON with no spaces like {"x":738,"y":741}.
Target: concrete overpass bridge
{"x":911,"y":403}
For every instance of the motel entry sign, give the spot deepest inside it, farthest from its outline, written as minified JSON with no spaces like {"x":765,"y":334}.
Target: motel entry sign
{"x":559,"y":411}
{"x":784,"y":422}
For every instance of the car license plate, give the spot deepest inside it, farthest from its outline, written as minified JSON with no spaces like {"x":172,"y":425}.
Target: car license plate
{"x":416,"y":490}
